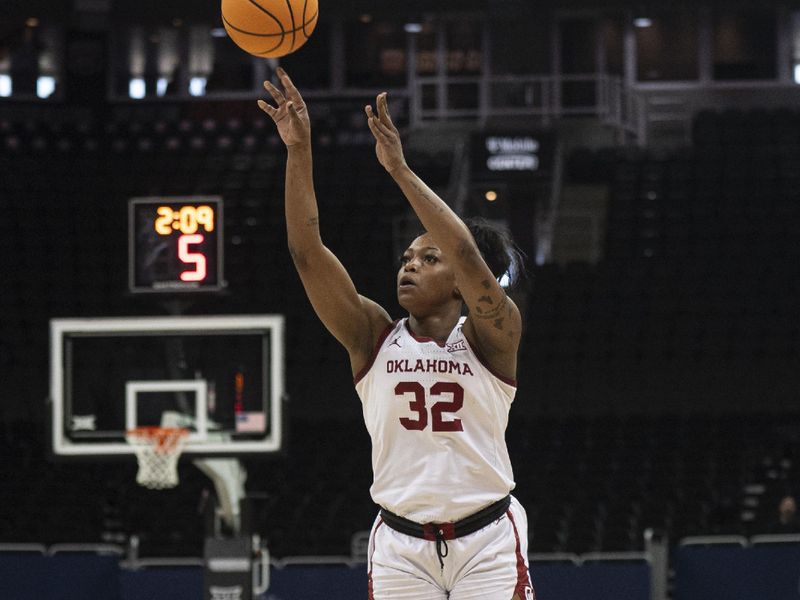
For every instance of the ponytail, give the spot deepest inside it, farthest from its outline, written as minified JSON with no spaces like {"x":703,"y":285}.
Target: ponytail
{"x":499,"y":251}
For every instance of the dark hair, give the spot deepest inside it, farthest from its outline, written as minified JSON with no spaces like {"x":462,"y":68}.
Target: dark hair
{"x":499,"y":251}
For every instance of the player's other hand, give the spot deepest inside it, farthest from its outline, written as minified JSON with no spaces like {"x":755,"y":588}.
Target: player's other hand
{"x":290,"y":115}
{"x":387,"y":139}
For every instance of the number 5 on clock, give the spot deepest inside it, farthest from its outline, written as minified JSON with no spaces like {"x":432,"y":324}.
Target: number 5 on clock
{"x":192,"y":258}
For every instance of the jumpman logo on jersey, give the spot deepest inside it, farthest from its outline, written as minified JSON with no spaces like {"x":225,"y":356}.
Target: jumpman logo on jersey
{"x":396,"y":342}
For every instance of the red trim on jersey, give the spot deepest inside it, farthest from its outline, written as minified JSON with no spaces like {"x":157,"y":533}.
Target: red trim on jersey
{"x":369,"y":570}
{"x":523,"y":577}
{"x":360,"y":375}
{"x":423,"y":339}
{"x":485,"y":363}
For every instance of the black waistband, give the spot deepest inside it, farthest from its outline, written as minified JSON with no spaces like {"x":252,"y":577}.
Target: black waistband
{"x":447,"y":531}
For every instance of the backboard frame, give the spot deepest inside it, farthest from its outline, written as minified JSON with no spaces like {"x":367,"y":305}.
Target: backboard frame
{"x":63,"y":447}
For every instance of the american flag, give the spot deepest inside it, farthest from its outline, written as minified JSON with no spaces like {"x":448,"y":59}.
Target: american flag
{"x":251,"y":422}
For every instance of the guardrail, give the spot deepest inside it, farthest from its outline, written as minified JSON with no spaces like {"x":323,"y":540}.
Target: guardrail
{"x":137,"y":563}
{"x":740,"y":540}
{"x":545,"y":98}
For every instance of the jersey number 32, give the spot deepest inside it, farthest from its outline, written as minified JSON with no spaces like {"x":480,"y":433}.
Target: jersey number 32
{"x":438,"y":409}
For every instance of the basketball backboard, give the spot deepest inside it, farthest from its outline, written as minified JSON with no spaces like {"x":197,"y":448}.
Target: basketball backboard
{"x":221,"y":377}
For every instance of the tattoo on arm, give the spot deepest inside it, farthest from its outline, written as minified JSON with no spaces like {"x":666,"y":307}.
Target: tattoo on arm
{"x":424,"y":195}
{"x":486,"y":285}
{"x":313,"y":221}
{"x":494,"y":313}
{"x":298,"y":258}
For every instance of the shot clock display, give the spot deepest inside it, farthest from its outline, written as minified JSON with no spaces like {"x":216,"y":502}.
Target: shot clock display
{"x":175,"y":244}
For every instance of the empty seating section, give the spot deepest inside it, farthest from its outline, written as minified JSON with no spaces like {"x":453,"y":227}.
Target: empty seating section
{"x":653,"y":385}
{"x":588,"y":483}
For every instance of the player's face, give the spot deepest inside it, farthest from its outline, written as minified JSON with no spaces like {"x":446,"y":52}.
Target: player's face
{"x":425,"y":278}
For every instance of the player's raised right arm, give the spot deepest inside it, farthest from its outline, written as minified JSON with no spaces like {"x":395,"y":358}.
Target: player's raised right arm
{"x":355,"y":321}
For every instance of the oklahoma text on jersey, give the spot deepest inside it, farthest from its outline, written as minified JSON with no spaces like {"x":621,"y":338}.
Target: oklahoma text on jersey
{"x":430,"y":365}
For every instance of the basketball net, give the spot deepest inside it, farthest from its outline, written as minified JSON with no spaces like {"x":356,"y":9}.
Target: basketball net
{"x":157,"y":451}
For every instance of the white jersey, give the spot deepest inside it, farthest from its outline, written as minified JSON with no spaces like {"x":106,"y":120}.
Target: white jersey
{"x":437,"y":417}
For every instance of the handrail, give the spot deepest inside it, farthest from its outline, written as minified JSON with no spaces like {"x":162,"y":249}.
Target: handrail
{"x":537,"y":97}
{"x":714,"y":540}
{"x":534,"y":557}
{"x":280,"y":563}
{"x":102,"y":549}
{"x":32,"y":548}
{"x":144,"y":563}
{"x":554,"y":557}
{"x":348,"y":561}
{"x":542,"y":103}
{"x":775,"y":538}
{"x":615,"y":557}
{"x":135,"y":564}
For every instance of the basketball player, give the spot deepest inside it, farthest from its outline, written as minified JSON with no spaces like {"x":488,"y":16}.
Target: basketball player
{"x":435,"y":387}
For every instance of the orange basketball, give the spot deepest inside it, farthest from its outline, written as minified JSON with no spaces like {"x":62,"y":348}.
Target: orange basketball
{"x":269,"y":28}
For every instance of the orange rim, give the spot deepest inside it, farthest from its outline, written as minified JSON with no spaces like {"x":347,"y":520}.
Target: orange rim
{"x":160,"y":437}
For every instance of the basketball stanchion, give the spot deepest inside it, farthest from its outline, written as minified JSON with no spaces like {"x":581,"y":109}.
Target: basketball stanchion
{"x":157,"y":451}
{"x":229,"y":476}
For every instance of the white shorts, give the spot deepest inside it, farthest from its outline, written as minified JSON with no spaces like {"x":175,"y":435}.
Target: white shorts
{"x":488,"y":564}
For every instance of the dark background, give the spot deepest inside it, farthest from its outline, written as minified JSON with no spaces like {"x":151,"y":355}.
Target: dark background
{"x":656,"y":383}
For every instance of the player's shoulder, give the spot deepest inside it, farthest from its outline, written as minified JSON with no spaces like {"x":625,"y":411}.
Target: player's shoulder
{"x":362,"y":364}
{"x":377,"y":320}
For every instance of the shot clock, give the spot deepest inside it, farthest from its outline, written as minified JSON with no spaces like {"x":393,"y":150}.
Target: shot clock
{"x":175,"y":244}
